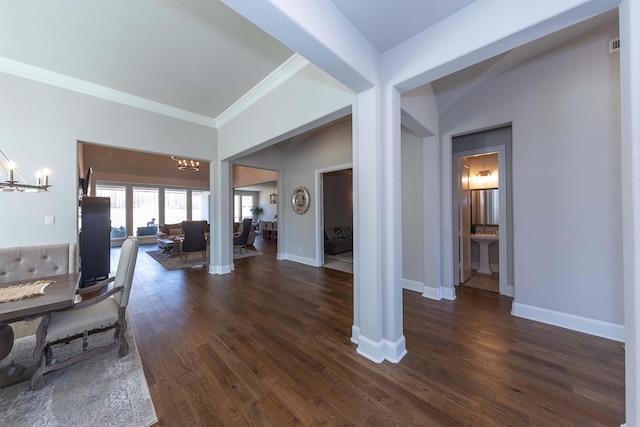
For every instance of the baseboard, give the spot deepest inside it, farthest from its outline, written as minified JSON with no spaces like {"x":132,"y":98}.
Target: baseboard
{"x":438,"y":293}
{"x":280,"y":256}
{"x":585,"y":325}
{"x":379,"y":351}
{"x":412,"y":285}
{"x":302,"y":260}
{"x":220,"y":269}
{"x":355,"y":334}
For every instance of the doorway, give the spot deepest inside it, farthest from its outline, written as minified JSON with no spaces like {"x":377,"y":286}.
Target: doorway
{"x":336,"y":219}
{"x":482,"y":213}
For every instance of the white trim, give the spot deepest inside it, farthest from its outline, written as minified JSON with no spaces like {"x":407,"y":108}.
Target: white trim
{"x":285,"y":71}
{"x":448,"y":293}
{"x":301,"y":260}
{"x":370,"y":349}
{"x":586,"y":325}
{"x":382,"y":350}
{"x":412,"y":285}
{"x":355,"y":334}
{"x":395,"y":351}
{"x":52,"y":78}
{"x":319,"y":212}
{"x":438,"y":293}
{"x":281,"y":256}
{"x":503,"y":184}
{"x":432,"y":293}
{"x":220,"y":269}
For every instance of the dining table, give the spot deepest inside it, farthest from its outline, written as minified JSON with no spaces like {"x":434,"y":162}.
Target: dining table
{"x":59,"y":295}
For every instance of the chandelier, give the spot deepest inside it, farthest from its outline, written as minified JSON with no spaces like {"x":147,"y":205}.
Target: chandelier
{"x":15,"y":182}
{"x":187,"y":164}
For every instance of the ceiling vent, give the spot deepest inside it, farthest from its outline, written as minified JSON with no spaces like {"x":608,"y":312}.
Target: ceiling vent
{"x":614,"y":45}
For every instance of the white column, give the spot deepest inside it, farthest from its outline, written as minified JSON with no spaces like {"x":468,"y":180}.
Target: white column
{"x":221,"y":201}
{"x":630,"y":121}
{"x":377,"y":325}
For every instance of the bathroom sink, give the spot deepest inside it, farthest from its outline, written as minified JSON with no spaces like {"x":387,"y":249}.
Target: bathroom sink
{"x":484,"y":240}
{"x":485,"y":237}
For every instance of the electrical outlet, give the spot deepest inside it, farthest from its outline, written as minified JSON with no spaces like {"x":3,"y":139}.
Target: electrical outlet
{"x":49,"y":220}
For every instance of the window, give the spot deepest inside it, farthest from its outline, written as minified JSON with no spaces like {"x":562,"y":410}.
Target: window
{"x":199,"y":205}
{"x":242,"y":204}
{"x":175,"y":206}
{"x":145,"y":210}
{"x":117,"y":194}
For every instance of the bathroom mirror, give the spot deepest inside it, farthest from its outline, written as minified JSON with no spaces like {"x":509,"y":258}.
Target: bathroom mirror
{"x":485,"y":206}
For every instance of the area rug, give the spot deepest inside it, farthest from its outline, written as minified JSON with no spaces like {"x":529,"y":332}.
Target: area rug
{"x":174,"y":262}
{"x":104,"y":390}
{"x":344,"y":257}
{"x":246,"y":254}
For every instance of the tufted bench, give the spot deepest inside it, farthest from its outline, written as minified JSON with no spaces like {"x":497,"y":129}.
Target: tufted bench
{"x":32,"y":262}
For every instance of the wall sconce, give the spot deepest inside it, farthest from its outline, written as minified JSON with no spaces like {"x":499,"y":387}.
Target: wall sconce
{"x":12,"y":184}
{"x":485,"y":178}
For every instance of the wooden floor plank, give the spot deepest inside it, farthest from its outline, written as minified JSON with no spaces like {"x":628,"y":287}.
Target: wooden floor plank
{"x":269,"y":344}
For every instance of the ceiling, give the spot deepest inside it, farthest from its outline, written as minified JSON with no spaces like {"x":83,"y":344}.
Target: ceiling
{"x":200,"y":56}
{"x":386,"y":25}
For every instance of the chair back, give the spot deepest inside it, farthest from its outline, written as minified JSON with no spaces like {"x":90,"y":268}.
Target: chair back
{"x":126,"y":267}
{"x":243,"y":238}
{"x":194,"y":238}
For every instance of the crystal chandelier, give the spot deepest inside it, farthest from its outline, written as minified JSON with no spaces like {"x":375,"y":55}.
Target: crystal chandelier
{"x":15,"y":182}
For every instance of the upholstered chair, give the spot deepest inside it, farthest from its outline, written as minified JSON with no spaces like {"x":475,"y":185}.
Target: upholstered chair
{"x":240,"y":239}
{"x":89,"y":315}
{"x":194,"y":238}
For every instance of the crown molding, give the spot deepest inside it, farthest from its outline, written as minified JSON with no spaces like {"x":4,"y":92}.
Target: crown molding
{"x":285,"y":71}
{"x":41,"y":75}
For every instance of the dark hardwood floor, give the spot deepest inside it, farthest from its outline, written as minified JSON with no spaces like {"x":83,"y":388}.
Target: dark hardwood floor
{"x":269,"y":344}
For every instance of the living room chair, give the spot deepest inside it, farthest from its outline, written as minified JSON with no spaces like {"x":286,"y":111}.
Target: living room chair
{"x":101,"y":307}
{"x":240,"y":239}
{"x":194,"y":239}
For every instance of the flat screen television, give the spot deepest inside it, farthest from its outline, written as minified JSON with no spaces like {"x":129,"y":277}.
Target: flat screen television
{"x":85,"y":183}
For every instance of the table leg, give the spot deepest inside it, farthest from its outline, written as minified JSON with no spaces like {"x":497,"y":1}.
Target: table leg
{"x":37,"y":380}
{"x":6,"y":340}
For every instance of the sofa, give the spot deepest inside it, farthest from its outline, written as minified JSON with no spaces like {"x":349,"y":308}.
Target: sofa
{"x":168,"y":232}
{"x":338,"y":239}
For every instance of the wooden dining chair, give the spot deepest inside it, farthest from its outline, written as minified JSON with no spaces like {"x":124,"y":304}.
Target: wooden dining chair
{"x":269,"y":228}
{"x":88,"y":316}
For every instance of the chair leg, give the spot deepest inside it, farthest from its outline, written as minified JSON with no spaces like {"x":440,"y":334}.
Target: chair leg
{"x":122,"y":328}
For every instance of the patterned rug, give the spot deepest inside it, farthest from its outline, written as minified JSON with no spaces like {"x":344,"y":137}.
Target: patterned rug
{"x":246,"y":254}
{"x":174,"y":263}
{"x":104,"y":390}
{"x":344,"y":257}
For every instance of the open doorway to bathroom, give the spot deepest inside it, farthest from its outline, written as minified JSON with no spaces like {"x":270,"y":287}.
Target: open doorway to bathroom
{"x":482,"y":213}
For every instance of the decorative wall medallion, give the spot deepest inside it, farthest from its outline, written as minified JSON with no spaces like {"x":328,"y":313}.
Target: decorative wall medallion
{"x":300,"y":200}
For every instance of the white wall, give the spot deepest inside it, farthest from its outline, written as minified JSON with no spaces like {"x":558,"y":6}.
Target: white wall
{"x":41,"y":125}
{"x":330,"y":147}
{"x":412,"y":211}
{"x":565,"y":110}
{"x":270,"y":209}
